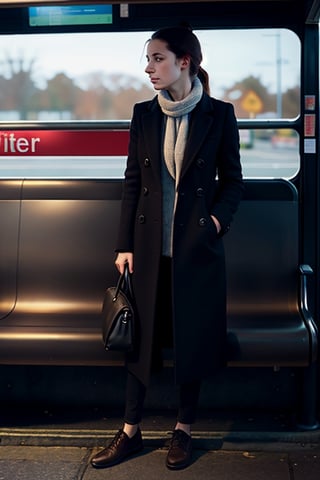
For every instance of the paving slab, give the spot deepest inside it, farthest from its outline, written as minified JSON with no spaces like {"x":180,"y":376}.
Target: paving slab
{"x":305,"y":465}
{"x":206,"y":465}
{"x":42,"y":463}
{"x":73,"y":463}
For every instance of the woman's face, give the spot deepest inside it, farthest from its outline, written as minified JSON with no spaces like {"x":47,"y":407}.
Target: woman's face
{"x":166,"y":71}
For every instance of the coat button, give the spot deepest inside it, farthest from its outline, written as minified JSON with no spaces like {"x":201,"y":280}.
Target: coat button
{"x":145,"y":191}
{"x":147,"y":162}
{"x":202,"y":222}
{"x":142,"y":219}
{"x":200,"y":162}
{"x":200,"y":192}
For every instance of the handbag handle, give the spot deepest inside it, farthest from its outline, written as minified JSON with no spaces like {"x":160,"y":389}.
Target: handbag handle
{"x":124,"y":283}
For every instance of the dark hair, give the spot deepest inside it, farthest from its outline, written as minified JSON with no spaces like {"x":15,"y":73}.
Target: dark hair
{"x":182,"y":41}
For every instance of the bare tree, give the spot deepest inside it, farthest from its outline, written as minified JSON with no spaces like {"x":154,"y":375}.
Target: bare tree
{"x":17,"y":84}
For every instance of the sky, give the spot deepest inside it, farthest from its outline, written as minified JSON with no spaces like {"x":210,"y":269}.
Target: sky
{"x":229,"y":56}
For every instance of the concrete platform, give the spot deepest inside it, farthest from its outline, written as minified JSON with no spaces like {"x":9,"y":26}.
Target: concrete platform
{"x":58,"y":445}
{"x":73,"y":463}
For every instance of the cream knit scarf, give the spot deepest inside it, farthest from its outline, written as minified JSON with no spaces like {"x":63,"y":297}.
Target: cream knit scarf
{"x":177,"y":123}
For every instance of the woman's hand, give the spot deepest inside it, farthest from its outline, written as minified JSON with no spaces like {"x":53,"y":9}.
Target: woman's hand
{"x":122,"y":259}
{"x":217,"y":223}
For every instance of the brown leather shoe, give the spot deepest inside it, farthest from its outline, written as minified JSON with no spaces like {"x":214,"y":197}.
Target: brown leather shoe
{"x":120,"y":448}
{"x":180,"y":450}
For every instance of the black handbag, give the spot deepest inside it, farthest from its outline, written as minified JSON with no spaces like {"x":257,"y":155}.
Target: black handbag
{"x":118,"y":315}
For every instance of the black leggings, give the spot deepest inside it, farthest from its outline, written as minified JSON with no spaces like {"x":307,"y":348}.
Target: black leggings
{"x":136,"y":392}
{"x":163,"y":337}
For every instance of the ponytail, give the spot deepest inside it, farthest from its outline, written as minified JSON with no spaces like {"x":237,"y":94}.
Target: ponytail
{"x":204,"y":79}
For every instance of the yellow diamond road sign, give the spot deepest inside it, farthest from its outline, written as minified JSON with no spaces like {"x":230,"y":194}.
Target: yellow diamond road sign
{"x":251,"y":102}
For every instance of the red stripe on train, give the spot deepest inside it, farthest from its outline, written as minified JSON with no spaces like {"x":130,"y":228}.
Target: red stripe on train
{"x":64,"y":142}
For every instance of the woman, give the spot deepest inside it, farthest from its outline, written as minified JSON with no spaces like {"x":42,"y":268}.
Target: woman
{"x":183,"y":184}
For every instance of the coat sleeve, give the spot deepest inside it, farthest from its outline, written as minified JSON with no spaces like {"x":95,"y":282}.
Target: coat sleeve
{"x":230,"y":183}
{"x":131,"y":190}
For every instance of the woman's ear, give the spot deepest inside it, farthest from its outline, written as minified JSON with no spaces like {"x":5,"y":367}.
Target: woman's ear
{"x":185,"y":62}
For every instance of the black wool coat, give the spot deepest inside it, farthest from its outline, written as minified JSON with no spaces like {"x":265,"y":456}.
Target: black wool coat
{"x":210,"y":184}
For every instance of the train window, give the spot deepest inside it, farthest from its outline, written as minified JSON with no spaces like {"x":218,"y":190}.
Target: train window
{"x":269,"y":153}
{"x":258,"y":70}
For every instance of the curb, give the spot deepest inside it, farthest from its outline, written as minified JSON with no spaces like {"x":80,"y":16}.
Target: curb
{"x":204,"y":440}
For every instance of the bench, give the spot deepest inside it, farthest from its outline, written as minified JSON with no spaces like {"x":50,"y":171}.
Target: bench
{"x":268,"y":319}
{"x":57,"y":259}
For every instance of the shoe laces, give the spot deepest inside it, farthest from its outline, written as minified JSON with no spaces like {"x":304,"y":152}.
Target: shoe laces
{"x":116,"y":440}
{"x":180,"y":439}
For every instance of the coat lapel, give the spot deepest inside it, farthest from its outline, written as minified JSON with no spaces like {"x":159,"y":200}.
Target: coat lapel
{"x":201,"y":122}
{"x":152,"y":124}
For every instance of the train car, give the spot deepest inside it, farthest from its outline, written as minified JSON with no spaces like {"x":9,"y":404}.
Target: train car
{"x":70,"y":73}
